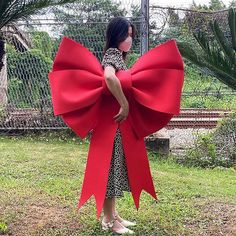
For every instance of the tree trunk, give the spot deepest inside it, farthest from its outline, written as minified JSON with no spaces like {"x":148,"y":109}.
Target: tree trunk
{"x":3,"y":75}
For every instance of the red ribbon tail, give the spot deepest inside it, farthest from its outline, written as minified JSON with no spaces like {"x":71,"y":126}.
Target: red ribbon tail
{"x":137,"y":164}
{"x":98,"y":162}
{"x":96,"y":172}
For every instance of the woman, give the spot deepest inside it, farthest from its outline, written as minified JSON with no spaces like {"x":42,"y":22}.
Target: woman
{"x":119,"y":35}
{"x":90,"y":98}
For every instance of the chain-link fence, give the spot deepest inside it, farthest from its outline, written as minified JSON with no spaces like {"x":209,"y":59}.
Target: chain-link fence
{"x":31,"y":46}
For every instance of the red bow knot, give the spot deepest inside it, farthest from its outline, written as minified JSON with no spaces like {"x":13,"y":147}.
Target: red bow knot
{"x":80,"y":95}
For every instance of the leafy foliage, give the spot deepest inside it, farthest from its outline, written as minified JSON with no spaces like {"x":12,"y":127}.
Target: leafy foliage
{"x":42,"y":41}
{"x":218,"y":55}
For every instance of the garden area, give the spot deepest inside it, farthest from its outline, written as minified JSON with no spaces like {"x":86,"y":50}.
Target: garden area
{"x":42,"y":161}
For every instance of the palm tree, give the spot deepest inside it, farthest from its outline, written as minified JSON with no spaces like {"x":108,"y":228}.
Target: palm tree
{"x":11,"y":11}
{"x":217,"y":54}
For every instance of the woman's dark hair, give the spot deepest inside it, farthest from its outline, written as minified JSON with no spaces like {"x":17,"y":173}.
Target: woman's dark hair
{"x":117,"y":31}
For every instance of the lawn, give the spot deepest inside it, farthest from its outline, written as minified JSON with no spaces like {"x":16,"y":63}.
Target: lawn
{"x":40,"y":182}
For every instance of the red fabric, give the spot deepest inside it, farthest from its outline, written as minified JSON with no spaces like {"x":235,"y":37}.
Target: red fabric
{"x":80,"y":96}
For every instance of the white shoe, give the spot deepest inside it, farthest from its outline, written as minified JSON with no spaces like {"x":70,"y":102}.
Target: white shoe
{"x":109,"y":225}
{"x":125,"y":223}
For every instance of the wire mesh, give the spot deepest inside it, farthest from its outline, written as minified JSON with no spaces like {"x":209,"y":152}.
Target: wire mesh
{"x":31,"y":46}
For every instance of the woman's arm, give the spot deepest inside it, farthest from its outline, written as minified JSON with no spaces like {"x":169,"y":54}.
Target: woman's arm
{"x":113,"y":84}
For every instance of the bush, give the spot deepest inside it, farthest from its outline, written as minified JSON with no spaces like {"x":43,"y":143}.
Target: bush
{"x":28,"y":78}
{"x":215,"y":149}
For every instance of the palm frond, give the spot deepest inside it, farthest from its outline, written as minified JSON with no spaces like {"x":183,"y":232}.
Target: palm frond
{"x":216,"y":55}
{"x":219,"y":36}
{"x":224,"y":75}
{"x":188,"y":52}
{"x":202,"y":41}
{"x":232,"y":26}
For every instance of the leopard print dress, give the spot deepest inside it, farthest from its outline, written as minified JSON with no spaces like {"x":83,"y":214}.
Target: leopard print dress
{"x":118,"y":176}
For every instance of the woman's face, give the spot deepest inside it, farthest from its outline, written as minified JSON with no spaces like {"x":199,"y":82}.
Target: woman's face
{"x":127,"y":43}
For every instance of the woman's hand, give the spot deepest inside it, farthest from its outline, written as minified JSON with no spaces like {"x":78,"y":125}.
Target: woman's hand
{"x":122,"y":114}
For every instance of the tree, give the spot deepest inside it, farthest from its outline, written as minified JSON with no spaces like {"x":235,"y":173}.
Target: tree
{"x":84,"y":22}
{"x":232,"y":4}
{"x":216,"y":5}
{"x":42,"y":41}
{"x":175,"y":25}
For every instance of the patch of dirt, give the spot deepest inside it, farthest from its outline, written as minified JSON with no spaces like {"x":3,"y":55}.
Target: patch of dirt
{"x":216,"y":219}
{"x":36,"y":219}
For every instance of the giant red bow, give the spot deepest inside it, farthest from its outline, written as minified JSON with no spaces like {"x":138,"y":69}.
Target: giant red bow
{"x":153,"y":88}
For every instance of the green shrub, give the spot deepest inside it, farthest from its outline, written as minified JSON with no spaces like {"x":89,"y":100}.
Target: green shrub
{"x":215,"y":149}
{"x":28,"y":78}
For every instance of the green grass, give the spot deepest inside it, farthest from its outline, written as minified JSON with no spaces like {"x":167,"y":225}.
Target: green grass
{"x":40,"y":182}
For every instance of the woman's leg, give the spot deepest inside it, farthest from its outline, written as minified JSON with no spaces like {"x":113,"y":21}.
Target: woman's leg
{"x":109,"y":213}
{"x":108,"y":209}
{"x":114,"y":212}
{"x":121,"y":220}
{"x":114,"y":206}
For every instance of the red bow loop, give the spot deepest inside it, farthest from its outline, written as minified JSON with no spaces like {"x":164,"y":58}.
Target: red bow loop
{"x":164,"y":56}
{"x":73,"y":55}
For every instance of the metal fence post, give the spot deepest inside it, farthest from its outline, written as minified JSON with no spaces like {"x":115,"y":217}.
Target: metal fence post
{"x":144,"y":28}
{"x":3,"y":75}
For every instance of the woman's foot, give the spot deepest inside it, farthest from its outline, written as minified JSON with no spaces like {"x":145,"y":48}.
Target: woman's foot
{"x":124,"y":222}
{"x":115,"y":226}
